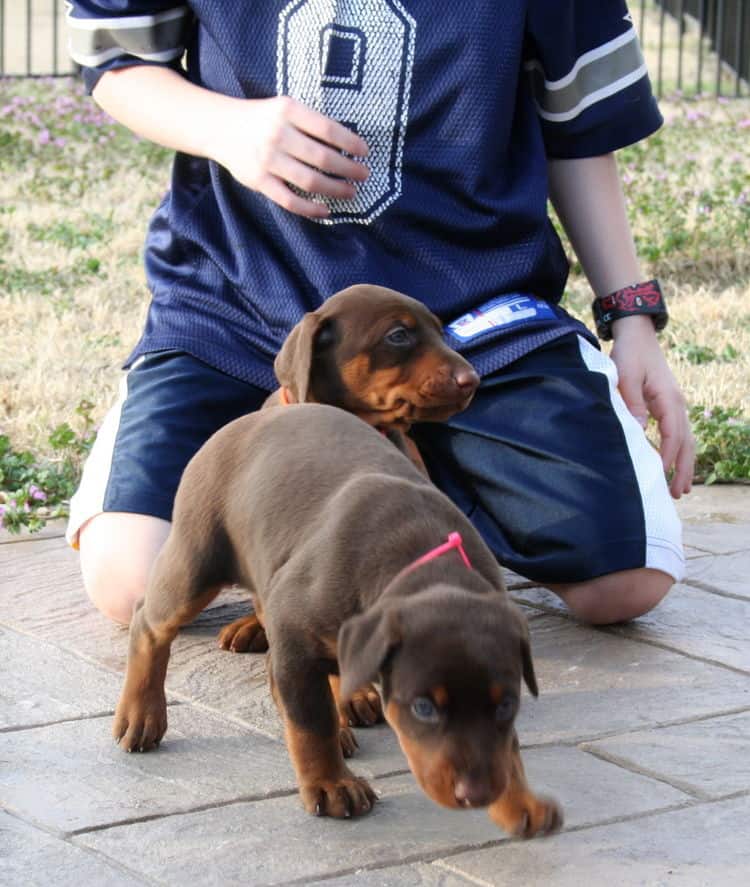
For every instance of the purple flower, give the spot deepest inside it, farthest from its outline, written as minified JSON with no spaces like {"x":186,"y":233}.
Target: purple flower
{"x":707,"y":413}
{"x":37,"y":494}
{"x":44,"y":137}
{"x":744,"y":124}
{"x":60,"y":143}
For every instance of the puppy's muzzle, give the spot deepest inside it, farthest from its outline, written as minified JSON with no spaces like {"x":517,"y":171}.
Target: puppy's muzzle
{"x":473,"y":792}
{"x":450,"y":387}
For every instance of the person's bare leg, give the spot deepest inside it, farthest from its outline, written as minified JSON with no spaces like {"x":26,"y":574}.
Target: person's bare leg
{"x":617,"y":597}
{"x":118,"y":551}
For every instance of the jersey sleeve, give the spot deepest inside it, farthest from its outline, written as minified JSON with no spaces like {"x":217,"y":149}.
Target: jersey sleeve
{"x":109,"y":34}
{"x":587,"y":77}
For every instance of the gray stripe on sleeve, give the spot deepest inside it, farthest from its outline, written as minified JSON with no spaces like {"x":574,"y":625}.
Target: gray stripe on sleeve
{"x":157,"y":38}
{"x":597,"y":75}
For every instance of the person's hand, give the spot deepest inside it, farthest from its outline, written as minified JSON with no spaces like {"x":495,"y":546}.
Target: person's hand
{"x":270,"y":144}
{"x":648,"y":388}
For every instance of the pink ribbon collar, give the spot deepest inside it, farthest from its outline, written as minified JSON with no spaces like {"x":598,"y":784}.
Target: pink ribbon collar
{"x":454,"y":541}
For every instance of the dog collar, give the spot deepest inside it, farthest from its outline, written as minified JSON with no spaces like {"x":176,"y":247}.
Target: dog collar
{"x":454,"y":541}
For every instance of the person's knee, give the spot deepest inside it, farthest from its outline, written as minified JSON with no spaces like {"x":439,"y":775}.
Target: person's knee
{"x":617,"y":597}
{"x":117,"y":553}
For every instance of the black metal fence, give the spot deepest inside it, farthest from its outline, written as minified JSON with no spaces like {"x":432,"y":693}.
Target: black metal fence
{"x":691,"y":46}
{"x":712,"y":34}
{"x":33,"y":41}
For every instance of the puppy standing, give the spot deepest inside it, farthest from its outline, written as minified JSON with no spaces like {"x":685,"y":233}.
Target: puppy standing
{"x":379,"y":355}
{"x":338,"y":538}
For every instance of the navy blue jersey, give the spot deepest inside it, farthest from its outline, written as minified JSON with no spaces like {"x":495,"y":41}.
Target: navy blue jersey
{"x":460,"y":109}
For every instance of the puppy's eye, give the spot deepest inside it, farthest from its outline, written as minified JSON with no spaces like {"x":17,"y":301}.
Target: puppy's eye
{"x":399,"y":336}
{"x":424,"y":709}
{"x":505,"y":709}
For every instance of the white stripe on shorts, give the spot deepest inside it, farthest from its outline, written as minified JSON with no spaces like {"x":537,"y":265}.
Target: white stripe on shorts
{"x":88,"y":499}
{"x":663,"y":528}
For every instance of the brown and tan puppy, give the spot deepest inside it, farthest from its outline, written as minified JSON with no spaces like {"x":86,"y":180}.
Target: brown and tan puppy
{"x":377,"y":354}
{"x":380,"y":355}
{"x":325,"y":522}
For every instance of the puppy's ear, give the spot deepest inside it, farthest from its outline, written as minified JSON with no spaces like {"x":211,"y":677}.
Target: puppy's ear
{"x":527,"y":663}
{"x":364,"y":642}
{"x":293,"y":364}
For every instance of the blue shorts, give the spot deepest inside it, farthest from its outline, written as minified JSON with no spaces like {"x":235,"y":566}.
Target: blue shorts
{"x":547,"y":462}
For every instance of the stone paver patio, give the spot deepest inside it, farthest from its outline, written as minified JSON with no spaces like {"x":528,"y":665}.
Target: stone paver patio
{"x":641,"y":731}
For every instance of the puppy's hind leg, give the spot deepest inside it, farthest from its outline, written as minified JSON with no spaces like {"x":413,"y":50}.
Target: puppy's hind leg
{"x":244,"y":635}
{"x":183,"y":582}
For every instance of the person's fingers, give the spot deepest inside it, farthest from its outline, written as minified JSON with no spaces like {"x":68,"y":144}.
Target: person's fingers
{"x":682,"y":479}
{"x":677,"y":447}
{"x":282,"y":195}
{"x":325,"y":129}
{"x":312,"y":152}
{"x":308,"y":179}
{"x":632,"y":394}
{"x":671,"y":433}
{"x":684,"y":462}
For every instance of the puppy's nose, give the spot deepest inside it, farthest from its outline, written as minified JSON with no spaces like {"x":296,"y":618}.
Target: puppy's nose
{"x":466,"y":379}
{"x":472,"y":793}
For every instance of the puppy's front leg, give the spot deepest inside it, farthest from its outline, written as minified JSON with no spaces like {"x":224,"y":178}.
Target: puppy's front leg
{"x":518,"y":810}
{"x":311,"y":727}
{"x":175,"y":596}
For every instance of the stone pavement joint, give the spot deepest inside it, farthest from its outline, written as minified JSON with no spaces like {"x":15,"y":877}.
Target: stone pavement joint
{"x":645,"y":771}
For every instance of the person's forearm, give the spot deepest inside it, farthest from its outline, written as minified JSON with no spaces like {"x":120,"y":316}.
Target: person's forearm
{"x":162,"y":106}
{"x":270,"y":145}
{"x":587,"y":196}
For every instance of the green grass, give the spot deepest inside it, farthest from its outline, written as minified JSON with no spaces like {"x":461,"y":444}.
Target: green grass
{"x":34,"y":490}
{"x":723,"y":437}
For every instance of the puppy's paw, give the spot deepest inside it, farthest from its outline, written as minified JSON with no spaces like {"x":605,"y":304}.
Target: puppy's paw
{"x":244,"y":635}
{"x":527,"y":816}
{"x":348,"y":741}
{"x":342,"y":798}
{"x":364,"y":709}
{"x":140,"y":721}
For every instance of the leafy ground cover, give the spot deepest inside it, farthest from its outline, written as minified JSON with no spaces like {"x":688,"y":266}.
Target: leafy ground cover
{"x":76,"y":192}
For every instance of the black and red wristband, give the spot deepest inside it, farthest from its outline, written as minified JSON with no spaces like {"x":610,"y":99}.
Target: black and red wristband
{"x":640,"y":298}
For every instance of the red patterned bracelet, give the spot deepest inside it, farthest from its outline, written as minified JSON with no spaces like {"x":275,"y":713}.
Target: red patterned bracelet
{"x":640,"y":298}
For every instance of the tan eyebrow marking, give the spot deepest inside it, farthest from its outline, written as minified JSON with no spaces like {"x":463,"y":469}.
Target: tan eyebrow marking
{"x":440,"y":696}
{"x":496,"y":692}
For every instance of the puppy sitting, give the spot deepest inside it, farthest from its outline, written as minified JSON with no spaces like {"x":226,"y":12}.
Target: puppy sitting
{"x":341,"y":542}
{"x":379,"y":355}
